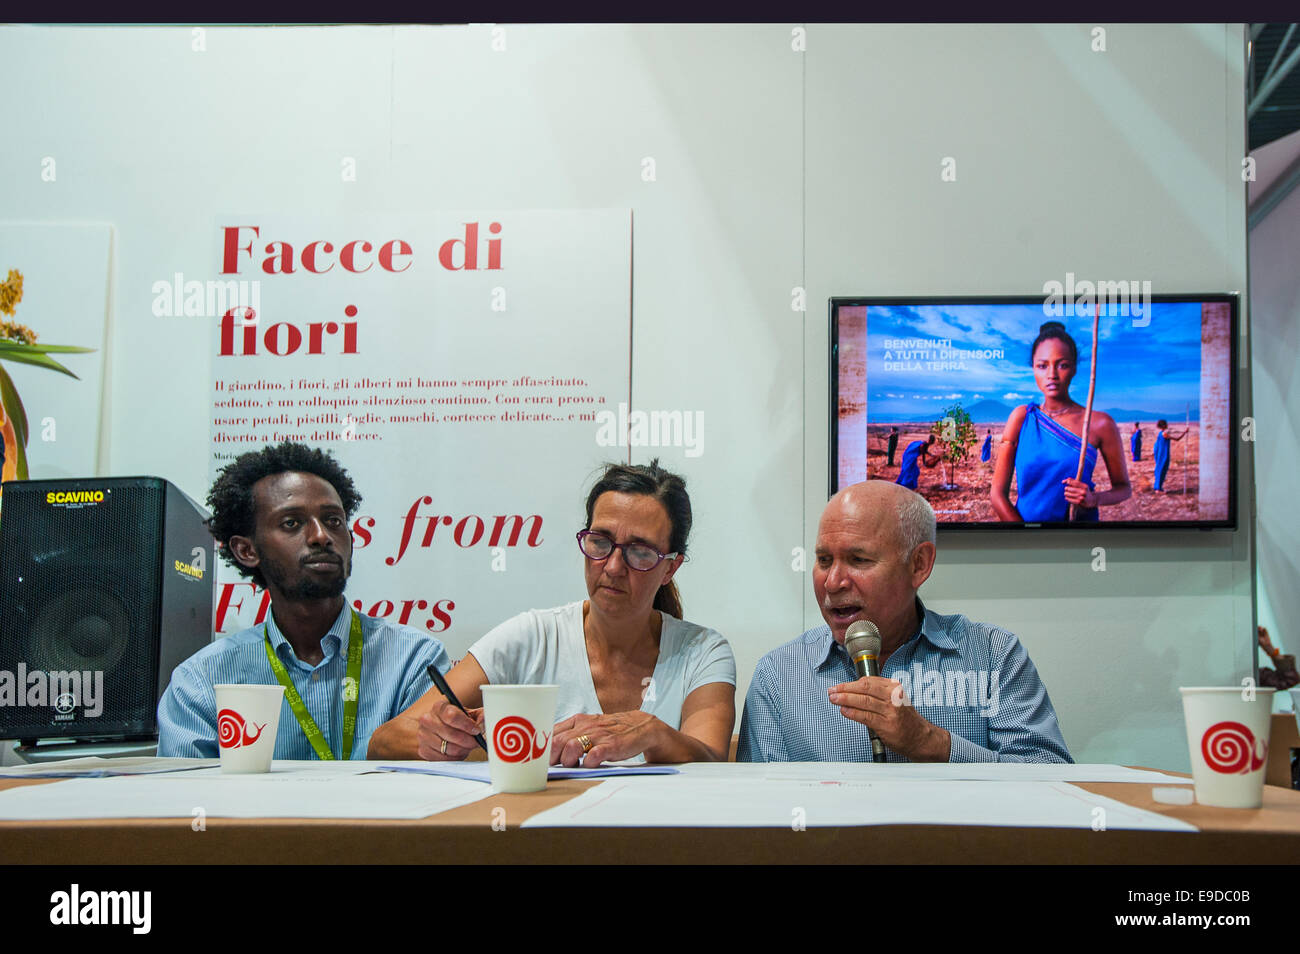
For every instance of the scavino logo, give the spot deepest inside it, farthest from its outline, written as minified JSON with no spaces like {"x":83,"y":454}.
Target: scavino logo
{"x":188,"y":570}
{"x":74,"y":496}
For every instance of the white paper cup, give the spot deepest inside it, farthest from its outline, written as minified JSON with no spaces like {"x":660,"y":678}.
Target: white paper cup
{"x":520,"y":721}
{"x":1227,"y":733}
{"x":247,"y":720}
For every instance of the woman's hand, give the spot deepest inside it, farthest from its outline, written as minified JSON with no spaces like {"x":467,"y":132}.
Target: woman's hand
{"x":1079,"y":493}
{"x":447,"y":734}
{"x":401,"y":736}
{"x":614,"y":737}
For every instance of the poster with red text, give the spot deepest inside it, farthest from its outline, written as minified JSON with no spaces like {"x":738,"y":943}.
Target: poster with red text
{"x":457,"y":364}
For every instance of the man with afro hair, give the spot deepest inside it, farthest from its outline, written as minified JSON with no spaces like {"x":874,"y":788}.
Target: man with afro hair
{"x":281,"y":517}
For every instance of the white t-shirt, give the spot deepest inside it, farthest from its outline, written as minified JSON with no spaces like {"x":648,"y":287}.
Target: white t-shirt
{"x":548,"y":646}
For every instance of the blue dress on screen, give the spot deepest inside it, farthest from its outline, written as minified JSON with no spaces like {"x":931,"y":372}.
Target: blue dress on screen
{"x":1047,"y":454}
{"x":910,"y":471}
{"x":1161,"y":456}
{"x":987,"y":450}
{"x":1135,"y":444}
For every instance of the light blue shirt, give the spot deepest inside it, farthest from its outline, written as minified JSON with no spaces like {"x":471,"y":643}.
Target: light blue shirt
{"x":392,"y":678}
{"x":972,"y":679}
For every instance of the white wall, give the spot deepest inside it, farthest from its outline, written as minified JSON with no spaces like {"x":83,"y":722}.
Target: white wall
{"x":1123,"y":163}
{"x":775,"y":169}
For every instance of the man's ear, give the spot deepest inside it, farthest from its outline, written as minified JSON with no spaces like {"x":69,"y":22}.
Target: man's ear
{"x":923,"y":558}
{"x":244,"y":552}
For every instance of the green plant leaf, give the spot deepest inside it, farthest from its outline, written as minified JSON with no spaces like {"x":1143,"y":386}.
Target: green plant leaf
{"x":36,"y":358}
{"x":17,"y":415}
{"x":6,"y":345}
{"x":13,"y":406}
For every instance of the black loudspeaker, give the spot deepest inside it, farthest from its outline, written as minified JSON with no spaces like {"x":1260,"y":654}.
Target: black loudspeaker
{"x":106,"y":584}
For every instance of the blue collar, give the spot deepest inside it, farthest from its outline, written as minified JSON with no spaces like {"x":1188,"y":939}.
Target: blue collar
{"x":331,"y":643}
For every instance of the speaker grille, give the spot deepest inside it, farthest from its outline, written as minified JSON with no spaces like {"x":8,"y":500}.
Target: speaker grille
{"x":87,"y":628}
{"x":81,"y":564}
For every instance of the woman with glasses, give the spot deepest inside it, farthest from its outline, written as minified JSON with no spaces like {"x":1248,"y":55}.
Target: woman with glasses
{"x":636,"y":680}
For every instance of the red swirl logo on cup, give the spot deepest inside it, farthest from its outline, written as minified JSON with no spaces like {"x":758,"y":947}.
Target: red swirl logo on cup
{"x":515,"y":740}
{"x":232,"y":732}
{"x":1231,"y":748}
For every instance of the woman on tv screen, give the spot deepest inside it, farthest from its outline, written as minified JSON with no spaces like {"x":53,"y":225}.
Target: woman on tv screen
{"x":1041,"y":445}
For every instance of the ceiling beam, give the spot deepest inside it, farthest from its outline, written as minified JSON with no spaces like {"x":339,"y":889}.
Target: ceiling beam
{"x":1279,"y":190}
{"x":1266,"y":89}
{"x":1277,"y":57}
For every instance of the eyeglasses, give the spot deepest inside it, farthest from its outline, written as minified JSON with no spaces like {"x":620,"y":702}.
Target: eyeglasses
{"x":596,"y":547}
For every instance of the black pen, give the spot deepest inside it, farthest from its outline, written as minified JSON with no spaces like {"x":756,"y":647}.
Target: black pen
{"x":451,"y":697}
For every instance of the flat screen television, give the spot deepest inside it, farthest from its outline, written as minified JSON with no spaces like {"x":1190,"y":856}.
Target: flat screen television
{"x":951,"y":396}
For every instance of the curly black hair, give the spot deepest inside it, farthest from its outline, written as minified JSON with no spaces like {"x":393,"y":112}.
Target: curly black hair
{"x":231,"y":496}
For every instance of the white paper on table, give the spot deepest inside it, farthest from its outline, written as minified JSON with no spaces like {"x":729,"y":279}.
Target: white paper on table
{"x":939,"y":771}
{"x":685,"y":801}
{"x":94,"y":766}
{"x":301,"y":793}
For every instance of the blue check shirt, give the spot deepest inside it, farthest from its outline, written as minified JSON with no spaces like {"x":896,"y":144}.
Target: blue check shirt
{"x":392,"y":678}
{"x":972,"y":679}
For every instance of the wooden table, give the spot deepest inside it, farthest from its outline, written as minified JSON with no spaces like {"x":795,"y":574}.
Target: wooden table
{"x":1268,"y":835}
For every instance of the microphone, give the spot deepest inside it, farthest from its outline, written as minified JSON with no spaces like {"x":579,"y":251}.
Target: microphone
{"x":862,"y":640}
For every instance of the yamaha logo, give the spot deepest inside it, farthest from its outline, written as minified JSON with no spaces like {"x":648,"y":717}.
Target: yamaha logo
{"x":65,"y":703}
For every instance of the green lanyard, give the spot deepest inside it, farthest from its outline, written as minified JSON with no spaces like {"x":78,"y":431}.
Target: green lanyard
{"x":351,"y":692}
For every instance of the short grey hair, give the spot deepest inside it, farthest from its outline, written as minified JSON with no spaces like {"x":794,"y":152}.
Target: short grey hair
{"x":916,"y":523}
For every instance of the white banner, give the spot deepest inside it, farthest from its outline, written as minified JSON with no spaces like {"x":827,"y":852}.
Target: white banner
{"x":457,"y":364}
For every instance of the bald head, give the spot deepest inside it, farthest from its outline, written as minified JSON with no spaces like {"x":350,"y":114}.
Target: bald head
{"x":875,"y":547}
{"x":880,"y":507}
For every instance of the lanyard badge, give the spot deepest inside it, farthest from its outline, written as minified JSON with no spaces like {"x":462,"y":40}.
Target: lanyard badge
{"x":351,"y":693}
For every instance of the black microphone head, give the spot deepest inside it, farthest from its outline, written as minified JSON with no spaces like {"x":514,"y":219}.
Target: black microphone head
{"x":862,"y":639}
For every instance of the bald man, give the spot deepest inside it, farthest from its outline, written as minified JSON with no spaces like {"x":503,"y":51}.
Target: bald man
{"x":949,"y":690}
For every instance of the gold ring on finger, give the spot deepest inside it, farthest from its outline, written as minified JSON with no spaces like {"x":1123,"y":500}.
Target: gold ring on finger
{"x":444,"y":746}
{"x":585,"y":743}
